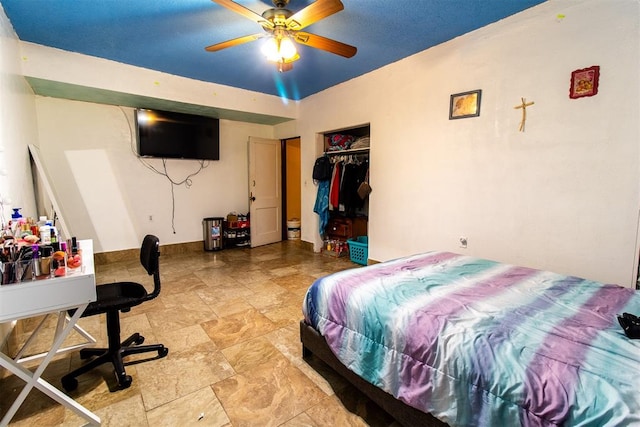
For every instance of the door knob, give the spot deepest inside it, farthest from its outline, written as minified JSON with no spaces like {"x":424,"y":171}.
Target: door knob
{"x":252,"y":198}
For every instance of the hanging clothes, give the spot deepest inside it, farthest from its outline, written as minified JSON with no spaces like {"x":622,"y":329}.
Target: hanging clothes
{"x":334,"y":192}
{"x":321,"y":206}
{"x":354,"y":174}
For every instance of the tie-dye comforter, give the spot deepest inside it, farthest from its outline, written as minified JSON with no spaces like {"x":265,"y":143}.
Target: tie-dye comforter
{"x":476,"y":342}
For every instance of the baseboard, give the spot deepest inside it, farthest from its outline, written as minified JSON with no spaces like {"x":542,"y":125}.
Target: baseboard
{"x":307,"y":246}
{"x":102,"y":258}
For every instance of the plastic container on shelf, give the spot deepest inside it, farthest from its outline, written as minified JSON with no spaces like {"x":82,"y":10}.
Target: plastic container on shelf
{"x":293,"y":229}
{"x":359,"y":249}
{"x":335,"y":248}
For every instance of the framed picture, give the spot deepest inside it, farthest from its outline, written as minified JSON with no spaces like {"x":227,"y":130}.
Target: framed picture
{"x":584,"y":82}
{"x":465,"y":104}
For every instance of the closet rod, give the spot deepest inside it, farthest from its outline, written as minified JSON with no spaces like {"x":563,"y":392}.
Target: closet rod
{"x":346,"y":152}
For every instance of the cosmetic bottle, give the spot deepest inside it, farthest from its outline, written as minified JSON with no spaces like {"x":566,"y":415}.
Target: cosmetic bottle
{"x":45,"y":234}
{"x":55,"y":240}
{"x":16,"y":218}
{"x":45,"y":260}
{"x":36,"y":260}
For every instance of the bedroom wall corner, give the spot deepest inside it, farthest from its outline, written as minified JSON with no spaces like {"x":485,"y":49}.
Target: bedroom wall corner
{"x":17,"y":131}
{"x":563,"y":195}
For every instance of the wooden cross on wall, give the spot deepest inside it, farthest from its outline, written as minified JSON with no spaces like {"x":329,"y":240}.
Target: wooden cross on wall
{"x":523,"y":106}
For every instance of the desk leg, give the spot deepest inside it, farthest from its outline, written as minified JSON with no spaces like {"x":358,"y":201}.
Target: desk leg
{"x":32,"y":337}
{"x":34,"y":380}
{"x":62,"y":317}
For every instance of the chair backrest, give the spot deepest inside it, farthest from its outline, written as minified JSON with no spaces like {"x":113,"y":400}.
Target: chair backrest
{"x":149,"y":258}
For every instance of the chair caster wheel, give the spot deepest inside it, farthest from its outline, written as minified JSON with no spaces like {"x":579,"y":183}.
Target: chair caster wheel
{"x":125,"y":382}
{"x":69,"y":383}
{"x":139,"y":341}
{"x":163,"y":352}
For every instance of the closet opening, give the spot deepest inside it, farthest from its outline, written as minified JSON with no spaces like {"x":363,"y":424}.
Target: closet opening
{"x":348,"y":152}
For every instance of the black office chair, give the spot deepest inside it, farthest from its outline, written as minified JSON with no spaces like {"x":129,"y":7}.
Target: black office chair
{"x":112,"y":298}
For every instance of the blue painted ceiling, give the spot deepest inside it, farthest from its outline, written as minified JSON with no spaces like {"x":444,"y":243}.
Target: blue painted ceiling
{"x":170,"y":36}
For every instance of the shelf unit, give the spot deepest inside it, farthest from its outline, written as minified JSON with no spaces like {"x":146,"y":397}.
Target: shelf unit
{"x":344,"y":228}
{"x":236,"y":234}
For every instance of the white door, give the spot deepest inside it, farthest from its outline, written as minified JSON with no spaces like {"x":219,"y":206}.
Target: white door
{"x":265,"y":198}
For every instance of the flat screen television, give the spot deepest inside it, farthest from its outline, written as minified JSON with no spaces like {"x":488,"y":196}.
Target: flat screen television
{"x":176,"y":135}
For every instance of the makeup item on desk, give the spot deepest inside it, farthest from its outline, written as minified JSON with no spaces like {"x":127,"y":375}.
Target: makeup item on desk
{"x":36,"y":260}
{"x":29,"y":238}
{"x":4,"y":255}
{"x":59,"y":264}
{"x":24,"y":264}
{"x":45,"y":260}
{"x":41,"y":223}
{"x":25,"y":253}
{"x":74,"y":246}
{"x":55,"y":237}
{"x":16,"y":217}
{"x":19,"y":266}
{"x":8,"y":274}
{"x":45,"y":234}
{"x":10,"y":250}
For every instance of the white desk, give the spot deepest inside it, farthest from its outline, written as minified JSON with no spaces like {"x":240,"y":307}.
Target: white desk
{"x":43,"y":297}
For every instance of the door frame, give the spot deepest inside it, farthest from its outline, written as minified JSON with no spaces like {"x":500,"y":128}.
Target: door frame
{"x":283,"y":181}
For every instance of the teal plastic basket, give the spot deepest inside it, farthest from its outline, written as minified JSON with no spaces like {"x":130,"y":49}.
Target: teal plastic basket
{"x":359,"y":249}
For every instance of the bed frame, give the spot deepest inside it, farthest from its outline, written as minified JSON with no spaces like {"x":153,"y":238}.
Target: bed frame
{"x":314,"y":344}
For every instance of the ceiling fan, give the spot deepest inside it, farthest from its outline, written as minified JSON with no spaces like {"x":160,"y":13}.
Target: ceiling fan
{"x":283,"y":27}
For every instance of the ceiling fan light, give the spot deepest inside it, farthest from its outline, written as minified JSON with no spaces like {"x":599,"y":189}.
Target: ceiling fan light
{"x":287,"y":48}
{"x":270,"y":49}
{"x":279,"y":49}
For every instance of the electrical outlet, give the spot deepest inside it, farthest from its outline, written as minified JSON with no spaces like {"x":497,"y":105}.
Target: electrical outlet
{"x":463,"y":242}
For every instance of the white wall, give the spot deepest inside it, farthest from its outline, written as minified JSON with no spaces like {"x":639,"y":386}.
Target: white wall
{"x":17,"y":127}
{"x":107,"y":193}
{"x":17,"y":130}
{"x":561,"y":196}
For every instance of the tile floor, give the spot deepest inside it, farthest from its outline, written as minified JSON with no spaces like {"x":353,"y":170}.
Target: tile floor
{"x":230,"y":320}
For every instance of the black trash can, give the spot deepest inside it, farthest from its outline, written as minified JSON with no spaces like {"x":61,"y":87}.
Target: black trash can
{"x":212,"y":229}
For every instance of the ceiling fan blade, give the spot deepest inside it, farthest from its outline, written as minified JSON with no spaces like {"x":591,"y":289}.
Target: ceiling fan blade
{"x":233,"y":42}
{"x":247,"y":13}
{"x":313,"y":13}
{"x":324,"y":43}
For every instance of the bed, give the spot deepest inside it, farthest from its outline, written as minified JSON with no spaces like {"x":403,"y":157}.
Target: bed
{"x":447,"y":339}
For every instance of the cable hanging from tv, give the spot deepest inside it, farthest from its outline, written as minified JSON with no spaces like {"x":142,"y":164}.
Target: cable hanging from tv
{"x":187,"y":183}
{"x":203,"y":126}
